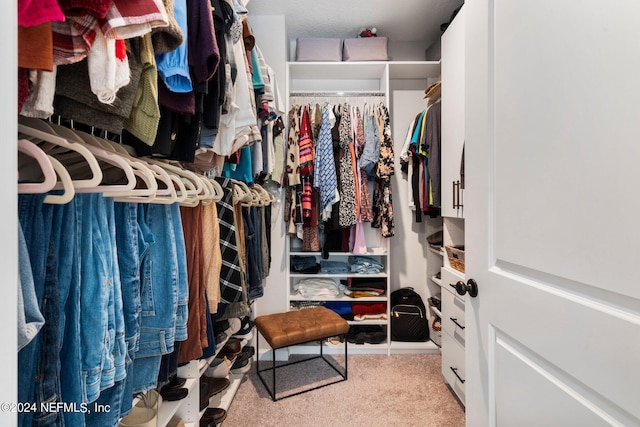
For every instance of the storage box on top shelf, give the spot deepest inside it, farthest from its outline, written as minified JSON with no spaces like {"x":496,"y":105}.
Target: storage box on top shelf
{"x":318,"y":49}
{"x":365,"y":49}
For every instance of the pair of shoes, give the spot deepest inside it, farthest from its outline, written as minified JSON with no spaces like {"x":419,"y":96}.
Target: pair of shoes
{"x":360,"y":334}
{"x":242,"y":364}
{"x":213,"y":417}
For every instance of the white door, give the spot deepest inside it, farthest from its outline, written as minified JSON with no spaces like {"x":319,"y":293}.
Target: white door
{"x":553,"y":212}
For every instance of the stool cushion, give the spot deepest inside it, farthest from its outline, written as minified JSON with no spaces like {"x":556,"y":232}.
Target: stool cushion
{"x":296,"y":327}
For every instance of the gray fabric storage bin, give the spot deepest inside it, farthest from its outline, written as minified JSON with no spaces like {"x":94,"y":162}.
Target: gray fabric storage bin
{"x":365,"y":49}
{"x":318,"y":49}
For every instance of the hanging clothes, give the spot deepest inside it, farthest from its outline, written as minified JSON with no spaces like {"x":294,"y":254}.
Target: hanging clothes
{"x":348,"y":189}
{"x":326,"y":179}
{"x":382,"y":200}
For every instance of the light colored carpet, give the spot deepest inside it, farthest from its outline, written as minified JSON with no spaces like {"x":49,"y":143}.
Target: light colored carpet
{"x":396,"y":390}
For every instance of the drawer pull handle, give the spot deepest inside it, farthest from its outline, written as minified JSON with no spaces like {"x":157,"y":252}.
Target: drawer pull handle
{"x":455,"y":372}
{"x":454,"y":320}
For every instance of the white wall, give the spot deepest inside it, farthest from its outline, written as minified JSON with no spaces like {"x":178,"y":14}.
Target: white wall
{"x":8,"y":212}
{"x":270,"y":37}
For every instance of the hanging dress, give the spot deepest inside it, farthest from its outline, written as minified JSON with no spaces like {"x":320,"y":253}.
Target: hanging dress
{"x":347,"y":183}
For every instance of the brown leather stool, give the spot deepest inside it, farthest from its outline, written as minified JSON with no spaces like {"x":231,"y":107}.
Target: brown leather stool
{"x":282,"y":330}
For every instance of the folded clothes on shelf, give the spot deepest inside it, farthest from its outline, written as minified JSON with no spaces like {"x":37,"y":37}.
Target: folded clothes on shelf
{"x":365,"y":264}
{"x":333,"y":267}
{"x":301,"y":305}
{"x":342,"y":308}
{"x":317,"y":288}
{"x":304,"y":264}
{"x":368,"y":308}
{"x":366,"y":284}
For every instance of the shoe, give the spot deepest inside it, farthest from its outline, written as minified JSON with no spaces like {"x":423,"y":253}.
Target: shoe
{"x":435,"y":238}
{"x":218,"y":414}
{"x":376,"y":337}
{"x":234,"y":325}
{"x":176,"y":382}
{"x":246,"y":329}
{"x":204,"y":394}
{"x":219,"y":368}
{"x":173,"y":394}
{"x":215,"y":385}
{"x":242,"y":364}
{"x":176,"y":421}
{"x":151,"y":399}
{"x":249,"y":349}
{"x":207,"y":422}
{"x":140,"y":417}
{"x":233,"y":346}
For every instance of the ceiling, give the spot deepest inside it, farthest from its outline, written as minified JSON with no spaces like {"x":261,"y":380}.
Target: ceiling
{"x":399,"y":20}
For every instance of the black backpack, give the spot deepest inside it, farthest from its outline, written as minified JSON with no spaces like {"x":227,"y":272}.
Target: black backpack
{"x":408,"y":316}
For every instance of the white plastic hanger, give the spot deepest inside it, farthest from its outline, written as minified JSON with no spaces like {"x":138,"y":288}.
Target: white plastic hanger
{"x":32,"y":129}
{"x":241,"y":193}
{"x":132,"y":167}
{"x":181,"y":191}
{"x":67,"y":185}
{"x":160,"y":174}
{"x":192,"y":183}
{"x":103,"y":155}
{"x":219,"y":192}
{"x":265,"y":196}
{"x":46,"y":169}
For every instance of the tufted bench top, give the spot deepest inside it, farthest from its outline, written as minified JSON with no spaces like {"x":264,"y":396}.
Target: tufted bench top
{"x":297,"y":327}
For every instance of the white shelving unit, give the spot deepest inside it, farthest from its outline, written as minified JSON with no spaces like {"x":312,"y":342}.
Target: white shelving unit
{"x":378,"y":254}
{"x":188,"y":409}
{"x":353,"y":80}
{"x":453,"y":305}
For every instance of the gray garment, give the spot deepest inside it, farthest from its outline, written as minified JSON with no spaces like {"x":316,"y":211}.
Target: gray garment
{"x":431,"y":140}
{"x":75,"y":101}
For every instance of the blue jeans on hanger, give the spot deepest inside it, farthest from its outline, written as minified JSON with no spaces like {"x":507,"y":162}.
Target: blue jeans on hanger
{"x":47,"y":378}
{"x":253,"y":263}
{"x":36,"y":227}
{"x":182,"y":311}
{"x":133,"y":241}
{"x":97,"y":332}
{"x":159,"y":296}
{"x":30,"y":319}
{"x":65,"y":236}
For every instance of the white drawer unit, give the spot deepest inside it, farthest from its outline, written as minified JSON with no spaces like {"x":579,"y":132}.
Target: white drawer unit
{"x":453,"y":316}
{"x":453,"y":365}
{"x":453,"y":332}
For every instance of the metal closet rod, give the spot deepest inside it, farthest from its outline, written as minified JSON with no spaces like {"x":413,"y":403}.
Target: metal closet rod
{"x":338,"y":94}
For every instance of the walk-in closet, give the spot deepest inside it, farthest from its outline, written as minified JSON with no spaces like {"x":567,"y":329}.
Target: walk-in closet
{"x":286,"y":213}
